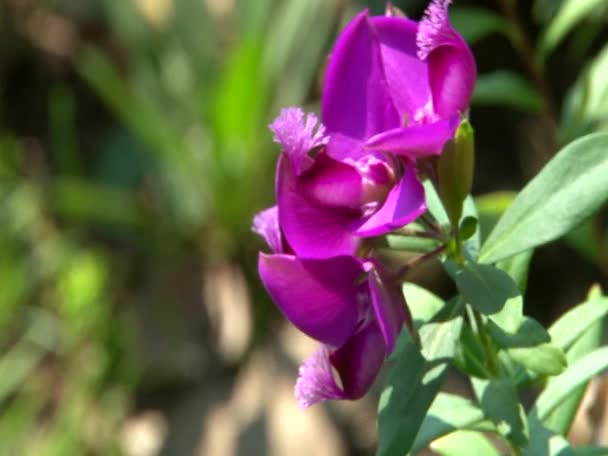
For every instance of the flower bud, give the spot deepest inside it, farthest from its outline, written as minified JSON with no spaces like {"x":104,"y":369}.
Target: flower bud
{"x":455,"y":170}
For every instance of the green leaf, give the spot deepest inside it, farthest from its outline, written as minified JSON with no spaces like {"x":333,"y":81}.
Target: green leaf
{"x":517,"y":267}
{"x":590,"y":451}
{"x":490,"y":208}
{"x":423,"y":304}
{"x":434,"y":204}
{"x":464,"y":443}
{"x":472,"y":244}
{"x":447,"y":413}
{"x":413,"y":383}
{"x":528,"y":333}
{"x":475,"y":24}
{"x":545,"y":359}
{"x":561,"y":418}
{"x":485,"y":287}
{"x":469,"y":356}
{"x":567,"y":190}
{"x":439,"y":338}
{"x":468,"y":227}
{"x":410,"y":389}
{"x":500,"y":403}
{"x":16,"y":365}
{"x":586,"y":103}
{"x":504,"y":88}
{"x":570,"y":13}
{"x":577,"y":374}
{"x":544,"y":441}
{"x":565,"y":331}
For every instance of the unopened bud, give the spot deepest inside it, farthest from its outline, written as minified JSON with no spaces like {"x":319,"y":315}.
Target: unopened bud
{"x":455,"y":170}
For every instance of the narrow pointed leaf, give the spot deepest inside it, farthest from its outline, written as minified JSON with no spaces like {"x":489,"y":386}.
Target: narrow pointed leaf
{"x":565,"y":331}
{"x":566,"y":191}
{"x":561,"y":387}
{"x":413,"y":383}
{"x":561,"y":418}
{"x":545,"y":359}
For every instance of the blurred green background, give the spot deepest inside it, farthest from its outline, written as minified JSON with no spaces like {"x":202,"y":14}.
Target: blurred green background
{"x":133,"y":154}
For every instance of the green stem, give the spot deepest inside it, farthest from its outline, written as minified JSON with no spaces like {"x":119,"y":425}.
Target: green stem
{"x":485,"y":343}
{"x":430,"y":223}
{"x":420,"y":259}
{"x":417,"y":233}
{"x":515,"y":449}
{"x":457,"y":250}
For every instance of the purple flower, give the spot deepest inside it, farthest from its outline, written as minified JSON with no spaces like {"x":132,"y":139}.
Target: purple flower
{"x":326,"y":205}
{"x":396,"y":85}
{"x":354,"y":308}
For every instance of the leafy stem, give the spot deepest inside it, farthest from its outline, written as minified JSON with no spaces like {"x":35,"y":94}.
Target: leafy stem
{"x":492,"y":364}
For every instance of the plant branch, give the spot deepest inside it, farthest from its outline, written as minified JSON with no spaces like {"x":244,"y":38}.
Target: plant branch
{"x":522,"y":44}
{"x":420,"y":259}
{"x":485,"y":342}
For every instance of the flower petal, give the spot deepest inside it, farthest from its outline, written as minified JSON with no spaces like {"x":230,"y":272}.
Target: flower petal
{"x":266,"y":224}
{"x":356,"y":100}
{"x":357,"y":363}
{"x":316,"y":382}
{"x":417,"y":140}
{"x":333,"y":183}
{"x":298,"y":134}
{"x":312,"y":230}
{"x":452,"y":70}
{"x":452,"y":75}
{"x":389,"y":305}
{"x":406,"y":74}
{"x":359,"y":360}
{"x":319,"y":297}
{"x":404,"y":204}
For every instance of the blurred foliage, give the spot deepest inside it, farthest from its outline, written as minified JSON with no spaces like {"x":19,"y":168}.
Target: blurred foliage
{"x":134,"y":153}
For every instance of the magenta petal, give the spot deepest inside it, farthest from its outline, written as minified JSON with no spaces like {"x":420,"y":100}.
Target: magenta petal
{"x":389,"y":305}
{"x":342,"y":147}
{"x":405,"y":73}
{"x":356,"y":100}
{"x":332,"y":183}
{"x":403,"y":205}
{"x":452,"y":70}
{"x":312,"y":229}
{"x":266,"y":224}
{"x":316,"y":382}
{"x":318,"y":296}
{"x":416,"y":140}
{"x":452,"y":76}
{"x":298,"y":134}
{"x":359,"y":360}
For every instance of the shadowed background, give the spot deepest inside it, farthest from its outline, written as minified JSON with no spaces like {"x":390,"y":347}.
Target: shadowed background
{"x":134,"y":153}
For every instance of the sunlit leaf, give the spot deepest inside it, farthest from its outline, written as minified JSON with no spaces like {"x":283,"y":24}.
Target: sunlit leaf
{"x":447,"y":413}
{"x":561,"y":387}
{"x":566,"y":191}
{"x":464,"y":442}
{"x":544,"y":359}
